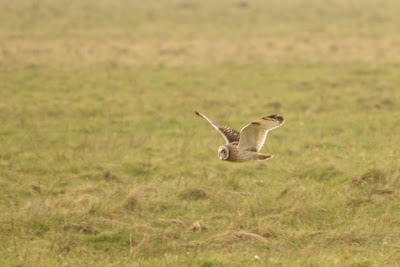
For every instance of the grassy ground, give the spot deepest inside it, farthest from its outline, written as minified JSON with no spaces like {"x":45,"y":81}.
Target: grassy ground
{"x":103,"y":162}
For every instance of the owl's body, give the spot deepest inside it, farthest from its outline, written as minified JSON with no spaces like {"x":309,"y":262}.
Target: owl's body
{"x":244,"y":146}
{"x":240,"y":155}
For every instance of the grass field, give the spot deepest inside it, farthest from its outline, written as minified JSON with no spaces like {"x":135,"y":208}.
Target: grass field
{"x":104,"y":163}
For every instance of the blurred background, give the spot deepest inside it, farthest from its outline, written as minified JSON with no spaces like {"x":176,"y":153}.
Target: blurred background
{"x":197,"y":33}
{"x":103,"y":161}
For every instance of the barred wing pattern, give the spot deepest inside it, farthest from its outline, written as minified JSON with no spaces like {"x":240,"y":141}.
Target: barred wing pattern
{"x":230,"y":135}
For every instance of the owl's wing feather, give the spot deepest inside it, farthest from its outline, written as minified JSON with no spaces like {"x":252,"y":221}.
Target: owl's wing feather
{"x":230,"y":135}
{"x":252,"y":136}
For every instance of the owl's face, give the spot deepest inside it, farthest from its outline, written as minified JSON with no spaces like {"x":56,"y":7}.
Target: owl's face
{"x":223,"y":152}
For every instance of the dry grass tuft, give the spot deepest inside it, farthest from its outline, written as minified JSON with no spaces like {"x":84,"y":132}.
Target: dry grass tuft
{"x":86,"y":228}
{"x":345,"y":239}
{"x":199,"y":227}
{"x":194,"y":194}
{"x":110,"y":177}
{"x":36,"y":188}
{"x":265,"y":232}
{"x":384,"y":191}
{"x":103,"y":176}
{"x":372,"y":176}
{"x":354,"y":203}
{"x":132,"y":199}
{"x":85,"y":204}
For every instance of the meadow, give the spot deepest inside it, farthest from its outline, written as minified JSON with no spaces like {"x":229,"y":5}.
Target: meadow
{"x":104,"y":163}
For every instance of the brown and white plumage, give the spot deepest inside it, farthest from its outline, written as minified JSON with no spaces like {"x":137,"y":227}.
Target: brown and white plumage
{"x":253,"y":135}
{"x":230,"y":135}
{"x":245,"y":145}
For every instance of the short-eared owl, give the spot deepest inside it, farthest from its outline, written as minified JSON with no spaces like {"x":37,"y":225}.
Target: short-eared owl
{"x":245,"y":145}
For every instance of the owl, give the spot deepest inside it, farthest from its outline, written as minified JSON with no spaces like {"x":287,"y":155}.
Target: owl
{"x":244,"y":146}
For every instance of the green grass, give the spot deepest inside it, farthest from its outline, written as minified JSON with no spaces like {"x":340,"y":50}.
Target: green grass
{"x":103,"y":161}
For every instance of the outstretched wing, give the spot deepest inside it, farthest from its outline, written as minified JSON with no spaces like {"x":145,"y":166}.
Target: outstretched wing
{"x":252,"y":136}
{"x":230,"y":135}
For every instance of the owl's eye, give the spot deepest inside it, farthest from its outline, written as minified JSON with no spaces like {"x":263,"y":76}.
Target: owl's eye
{"x":223,"y":151}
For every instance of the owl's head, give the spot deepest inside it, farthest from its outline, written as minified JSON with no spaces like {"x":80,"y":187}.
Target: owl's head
{"x":223,"y":152}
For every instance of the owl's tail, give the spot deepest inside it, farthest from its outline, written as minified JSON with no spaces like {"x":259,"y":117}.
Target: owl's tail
{"x":260,"y":156}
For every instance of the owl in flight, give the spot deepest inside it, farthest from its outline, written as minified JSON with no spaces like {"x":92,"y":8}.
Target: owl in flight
{"x":245,"y":145}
